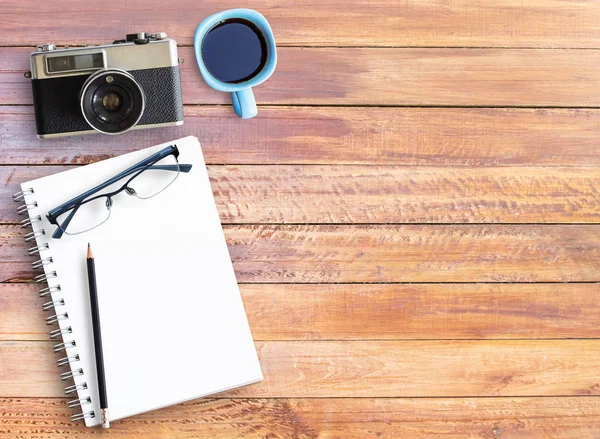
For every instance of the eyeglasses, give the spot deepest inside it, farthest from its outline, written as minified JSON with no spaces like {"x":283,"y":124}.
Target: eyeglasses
{"x":93,"y":208}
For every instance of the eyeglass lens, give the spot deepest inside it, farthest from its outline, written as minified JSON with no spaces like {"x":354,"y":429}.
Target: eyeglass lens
{"x":144,"y":184}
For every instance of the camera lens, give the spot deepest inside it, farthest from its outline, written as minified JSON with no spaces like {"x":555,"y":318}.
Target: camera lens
{"x":112,"y":102}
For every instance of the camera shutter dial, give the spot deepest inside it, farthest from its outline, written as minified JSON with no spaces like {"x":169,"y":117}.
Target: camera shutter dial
{"x":45,"y":47}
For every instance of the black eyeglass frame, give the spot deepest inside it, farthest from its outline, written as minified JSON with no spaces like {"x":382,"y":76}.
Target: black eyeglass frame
{"x":75,"y":203}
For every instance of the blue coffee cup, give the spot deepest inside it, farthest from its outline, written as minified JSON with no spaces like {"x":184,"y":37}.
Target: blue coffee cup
{"x":240,"y":88}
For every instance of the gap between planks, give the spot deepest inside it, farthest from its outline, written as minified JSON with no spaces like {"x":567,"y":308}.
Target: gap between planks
{"x":355,"y":46}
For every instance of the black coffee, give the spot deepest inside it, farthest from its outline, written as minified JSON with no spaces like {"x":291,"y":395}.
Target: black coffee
{"x":234,"y":51}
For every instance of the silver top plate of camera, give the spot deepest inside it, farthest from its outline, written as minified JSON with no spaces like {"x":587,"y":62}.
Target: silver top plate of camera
{"x":51,"y":62}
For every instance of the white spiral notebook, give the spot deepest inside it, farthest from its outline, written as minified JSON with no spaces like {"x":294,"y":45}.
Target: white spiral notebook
{"x":172,"y":319}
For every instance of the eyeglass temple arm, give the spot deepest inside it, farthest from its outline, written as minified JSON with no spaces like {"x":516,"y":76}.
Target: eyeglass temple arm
{"x":181,"y":167}
{"x":54,"y":213}
{"x":58,"y":233}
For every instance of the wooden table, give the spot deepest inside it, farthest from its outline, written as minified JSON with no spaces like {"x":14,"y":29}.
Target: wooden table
{"x":413,"y":218}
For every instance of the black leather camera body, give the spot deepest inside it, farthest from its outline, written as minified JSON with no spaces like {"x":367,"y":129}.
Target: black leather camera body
{"x":130,"y":84}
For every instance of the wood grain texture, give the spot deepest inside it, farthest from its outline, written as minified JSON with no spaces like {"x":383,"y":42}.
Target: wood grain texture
{"x":381,"y":194}
{"x":396,"y":125}
{"x":359,"y":76}
{"x":439,"y":368}
{"x":403,"y":136}
{"x":368,"y":418}
{"x":545,"y":23}
{"x":415,"y":253}
{"x":376,"y":312}
{"x":445,"y":253}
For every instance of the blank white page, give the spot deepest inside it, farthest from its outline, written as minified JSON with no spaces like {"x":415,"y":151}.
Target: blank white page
{"x":173,"y":322}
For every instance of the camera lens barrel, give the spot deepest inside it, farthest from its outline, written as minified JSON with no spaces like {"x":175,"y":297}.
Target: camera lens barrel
{"x":111,"y":101}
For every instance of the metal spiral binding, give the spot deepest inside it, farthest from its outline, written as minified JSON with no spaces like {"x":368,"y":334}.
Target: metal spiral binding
{"x":19,"y":196}
{"x":75,"y":388}
{"x":53,"y":303}
{"x":63,"y":346}
{"x":56,"y":317}
{"x":32,"y":235}
{"x":43,"y":278}
{"x":38,"y":248}
{"x":41,"y":262}
{"x":80,"y":416}
{"x":50,"y":290}
{"x":66,"y":360}
{"x":58,"y":332}
{"x":29,"y":221}
{"x":79,"y":402}
{"x":24,"y":208}
{"x":74,"y":373}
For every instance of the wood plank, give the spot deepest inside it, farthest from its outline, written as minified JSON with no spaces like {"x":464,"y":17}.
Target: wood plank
{"x":359,"y":194}
{"x":403,"y":136}
{"x":387,"y":76}
{"x":415,"y":253}
{"x":381,"y":194}
{"x":366,"y":312}
{"x":545,"y":23}
{"x":566,"y":417}
{"x":410,"y":253}
{"x":371,"y":369}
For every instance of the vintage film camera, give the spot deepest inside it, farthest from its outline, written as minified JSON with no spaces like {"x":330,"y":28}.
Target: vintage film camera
{"x":129,"y":84}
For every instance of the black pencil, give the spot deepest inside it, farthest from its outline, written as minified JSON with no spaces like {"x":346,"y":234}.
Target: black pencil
{"x":91,"y":269}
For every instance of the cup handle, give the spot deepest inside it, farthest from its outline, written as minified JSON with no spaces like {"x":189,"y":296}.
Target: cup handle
{"x":244,"y":103}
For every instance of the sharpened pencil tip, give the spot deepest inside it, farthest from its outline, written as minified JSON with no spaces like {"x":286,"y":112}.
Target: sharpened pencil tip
{"x":90,"y":254}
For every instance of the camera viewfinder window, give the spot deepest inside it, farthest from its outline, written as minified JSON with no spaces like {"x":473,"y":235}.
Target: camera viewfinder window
{"x":75,"y":62}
